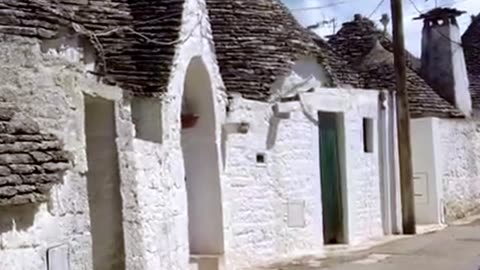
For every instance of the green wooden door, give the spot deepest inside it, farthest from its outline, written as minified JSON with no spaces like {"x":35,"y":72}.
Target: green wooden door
{"x":331,"y":181}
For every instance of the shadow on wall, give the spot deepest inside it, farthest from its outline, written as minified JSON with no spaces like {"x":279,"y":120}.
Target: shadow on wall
{"x":18,"y":218}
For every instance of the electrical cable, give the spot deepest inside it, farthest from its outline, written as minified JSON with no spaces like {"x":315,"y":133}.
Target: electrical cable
{"x":318,"y":7}
{"x":376,"y":8}
{"x":440,"y":33}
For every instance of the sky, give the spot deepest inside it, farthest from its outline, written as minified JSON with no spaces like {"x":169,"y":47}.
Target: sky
{"x":344,"y":10}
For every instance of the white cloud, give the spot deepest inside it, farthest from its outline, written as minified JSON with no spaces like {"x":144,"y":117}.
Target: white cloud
{"x":344,"y":12}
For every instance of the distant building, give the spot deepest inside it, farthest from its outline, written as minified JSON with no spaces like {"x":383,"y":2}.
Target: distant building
{"x":443,"y":106}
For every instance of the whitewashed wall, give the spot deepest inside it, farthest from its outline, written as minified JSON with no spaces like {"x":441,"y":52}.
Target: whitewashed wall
{"x":362,"y":169}
{"x":427,"y":171}
{"x":446,"y":163}
{"x":49,"y":88}
{"x":160,"y":176}
{"x":460,"y":166}
{"x":258,"y":195}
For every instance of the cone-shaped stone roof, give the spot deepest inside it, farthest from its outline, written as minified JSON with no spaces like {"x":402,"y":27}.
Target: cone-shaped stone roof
{"x":258,"y":40}
{"x":360,"y":40}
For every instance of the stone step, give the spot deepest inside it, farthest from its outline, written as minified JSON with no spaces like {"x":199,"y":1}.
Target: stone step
{"x":206,"y":262}
{"x":193,"y":266}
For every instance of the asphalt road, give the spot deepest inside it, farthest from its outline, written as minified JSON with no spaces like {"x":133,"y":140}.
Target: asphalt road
{"x":454,"y":248}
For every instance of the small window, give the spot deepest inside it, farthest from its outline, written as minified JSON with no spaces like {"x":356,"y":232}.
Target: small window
{"x":261,"y":159}
{"x":368,"y":135}
{"x":147,"y":118}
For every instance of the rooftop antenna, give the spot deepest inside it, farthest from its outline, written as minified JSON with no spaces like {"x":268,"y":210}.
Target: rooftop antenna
{"x":385,"y":20}
{"x":323,"y":23}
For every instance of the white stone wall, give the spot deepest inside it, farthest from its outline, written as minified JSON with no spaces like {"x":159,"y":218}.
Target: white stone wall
{"x":48,"y":89}
{"x":362,"y":169}
{"x":160,"y":192}
{"x":427,"y":170}
{"x":460,"y":166}
{"x":257,"y":195}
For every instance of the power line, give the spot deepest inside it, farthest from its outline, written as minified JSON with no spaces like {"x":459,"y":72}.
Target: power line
{"x":319,"y":7}
{"x":442,"y":5}
{"x":415,"y":7}
{"x":439,"y":32}
{"x":376,"y":8}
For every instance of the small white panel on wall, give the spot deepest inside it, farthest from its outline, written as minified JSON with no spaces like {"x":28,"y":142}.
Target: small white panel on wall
{"x":58,"y":258}
{"x":296,"y":214}
{"x":420,"y":181}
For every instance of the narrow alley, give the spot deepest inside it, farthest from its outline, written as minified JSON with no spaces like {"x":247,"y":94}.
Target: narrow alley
{"x":455,"y":248}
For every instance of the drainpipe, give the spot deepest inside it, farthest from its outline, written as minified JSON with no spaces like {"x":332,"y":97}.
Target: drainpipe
{"x":388,"y":160}
{"x":394,"y":161}
{"x":384,"y":162}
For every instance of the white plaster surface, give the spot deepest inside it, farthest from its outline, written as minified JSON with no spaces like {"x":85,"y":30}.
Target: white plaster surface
{"x":427,"y":173}
{"x":257,"y":196}
{"x":463,"y":99}
{"x":447,"y":152}
{"x":50,"y":88}
{"x":460,"y":166}
{"x":45,"y":88}
{"x":159,"y":213}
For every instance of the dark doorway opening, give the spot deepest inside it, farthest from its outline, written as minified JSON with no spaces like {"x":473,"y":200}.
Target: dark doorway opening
{"x":103,"y":185}
{"x":331,"y":138}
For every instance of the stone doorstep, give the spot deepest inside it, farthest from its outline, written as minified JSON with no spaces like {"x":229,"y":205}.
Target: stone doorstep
{"x":193,"y":266}
{"x":206,"y":262}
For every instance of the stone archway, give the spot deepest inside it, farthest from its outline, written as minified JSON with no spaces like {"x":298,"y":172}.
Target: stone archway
{"x":202,"y":162}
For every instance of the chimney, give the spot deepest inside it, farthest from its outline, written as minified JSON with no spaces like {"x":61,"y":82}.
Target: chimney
{"x":443,"y":61}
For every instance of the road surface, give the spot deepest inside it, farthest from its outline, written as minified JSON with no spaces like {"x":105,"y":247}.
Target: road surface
{"x":454,"y":248}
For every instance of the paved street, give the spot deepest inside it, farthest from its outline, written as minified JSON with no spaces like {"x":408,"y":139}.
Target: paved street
{"x":455,"y":248}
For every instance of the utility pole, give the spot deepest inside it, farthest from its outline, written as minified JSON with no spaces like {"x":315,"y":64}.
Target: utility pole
{"x":403,"y":121}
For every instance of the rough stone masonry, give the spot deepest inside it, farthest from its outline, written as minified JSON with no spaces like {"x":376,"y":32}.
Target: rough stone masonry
{"x":30,"y":162}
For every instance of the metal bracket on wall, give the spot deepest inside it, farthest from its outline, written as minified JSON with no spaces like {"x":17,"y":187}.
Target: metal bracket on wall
{"x":281,"y":112}
{"x":241,"y":127}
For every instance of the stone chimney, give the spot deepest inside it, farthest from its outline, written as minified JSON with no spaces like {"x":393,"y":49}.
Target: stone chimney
{"x":443,"y":61}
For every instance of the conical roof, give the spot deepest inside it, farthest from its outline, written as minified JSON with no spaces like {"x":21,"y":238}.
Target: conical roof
{"x":359,"y":40}
{"x":258,"y":40}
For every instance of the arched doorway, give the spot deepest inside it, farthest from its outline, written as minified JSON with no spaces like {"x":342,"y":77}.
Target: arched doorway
{"x":201,"y":159}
